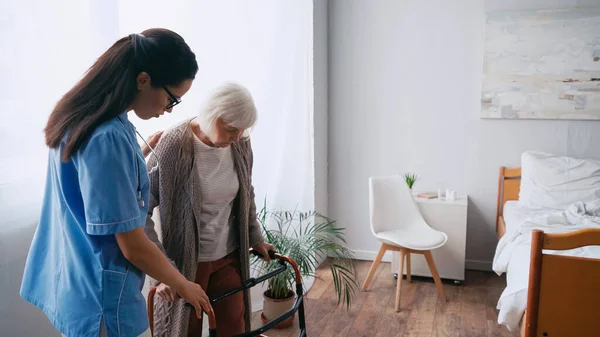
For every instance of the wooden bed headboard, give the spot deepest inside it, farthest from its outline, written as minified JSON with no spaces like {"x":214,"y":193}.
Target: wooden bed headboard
{"x":509,"y":184}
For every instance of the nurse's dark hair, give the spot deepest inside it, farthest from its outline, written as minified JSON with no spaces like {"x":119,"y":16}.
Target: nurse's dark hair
{"x":109,"y":86}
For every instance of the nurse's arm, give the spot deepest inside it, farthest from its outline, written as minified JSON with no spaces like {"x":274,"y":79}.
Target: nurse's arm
{"x":144,"y":254}
{"x":151,"y":232}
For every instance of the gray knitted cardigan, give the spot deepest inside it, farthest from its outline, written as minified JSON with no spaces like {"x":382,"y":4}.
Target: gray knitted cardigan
{"x":175,"y":188}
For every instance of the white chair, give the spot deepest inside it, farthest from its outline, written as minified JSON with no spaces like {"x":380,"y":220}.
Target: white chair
{"x":397,"y":222}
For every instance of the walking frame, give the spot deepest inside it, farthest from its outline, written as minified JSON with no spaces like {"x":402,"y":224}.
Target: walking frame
{"x":297,"y":307}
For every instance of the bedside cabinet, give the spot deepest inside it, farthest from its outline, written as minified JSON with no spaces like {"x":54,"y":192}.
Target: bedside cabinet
{"x":449,"y":217}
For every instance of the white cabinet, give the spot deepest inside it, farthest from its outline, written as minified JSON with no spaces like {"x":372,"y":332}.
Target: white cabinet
{"x":449,"y":217}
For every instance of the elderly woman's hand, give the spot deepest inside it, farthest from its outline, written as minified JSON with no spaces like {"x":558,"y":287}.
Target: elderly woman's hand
{"x":264,"y":248}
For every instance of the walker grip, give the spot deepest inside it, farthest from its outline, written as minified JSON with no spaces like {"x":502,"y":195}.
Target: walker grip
{"x":259,"y":254}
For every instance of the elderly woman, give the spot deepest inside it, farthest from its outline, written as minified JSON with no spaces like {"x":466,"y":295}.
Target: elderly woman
{"x":203,"y":187}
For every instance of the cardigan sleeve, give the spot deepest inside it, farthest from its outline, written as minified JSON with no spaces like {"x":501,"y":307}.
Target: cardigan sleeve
{"x":254,"y":227}
{"x":164,"y":166}
{"x":151,"y":232}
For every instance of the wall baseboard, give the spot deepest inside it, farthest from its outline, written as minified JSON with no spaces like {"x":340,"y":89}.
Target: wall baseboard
{"x":368,"y":255}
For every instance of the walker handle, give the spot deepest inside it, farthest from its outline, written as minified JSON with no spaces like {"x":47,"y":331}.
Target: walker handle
{"x":259,"y":254}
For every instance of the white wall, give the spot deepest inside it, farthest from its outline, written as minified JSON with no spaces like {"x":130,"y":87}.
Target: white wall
{"x":404,"y":84}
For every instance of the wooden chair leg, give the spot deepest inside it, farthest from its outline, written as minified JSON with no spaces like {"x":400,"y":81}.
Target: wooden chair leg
{"x":436,"y":276}
{"x":408,"y":266}
{"x":399,"y":282}
{"x":374,"y":267}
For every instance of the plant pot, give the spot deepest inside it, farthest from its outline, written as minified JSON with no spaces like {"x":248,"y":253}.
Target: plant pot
{"x":273,"y":308}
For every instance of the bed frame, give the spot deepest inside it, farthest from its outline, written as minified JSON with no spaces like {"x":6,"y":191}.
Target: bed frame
{"x":563,"y":291}
{"x":509,"y":184}
{"x":576,"y":292}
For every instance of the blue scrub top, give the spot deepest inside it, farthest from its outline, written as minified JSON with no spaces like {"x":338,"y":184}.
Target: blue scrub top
{"x":75,"y":271}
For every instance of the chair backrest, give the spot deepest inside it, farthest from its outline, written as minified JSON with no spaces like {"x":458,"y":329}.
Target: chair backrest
{"x":564,"y":291}
{"x":392,"y":205}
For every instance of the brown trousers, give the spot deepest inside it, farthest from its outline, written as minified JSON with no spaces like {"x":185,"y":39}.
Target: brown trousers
{"x":217,"y":278}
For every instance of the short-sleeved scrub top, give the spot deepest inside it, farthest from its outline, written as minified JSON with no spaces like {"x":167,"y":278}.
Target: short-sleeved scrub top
{"x":75,"y":271}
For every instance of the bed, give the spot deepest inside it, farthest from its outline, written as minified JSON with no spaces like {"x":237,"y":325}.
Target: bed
{"x":556,"y":194}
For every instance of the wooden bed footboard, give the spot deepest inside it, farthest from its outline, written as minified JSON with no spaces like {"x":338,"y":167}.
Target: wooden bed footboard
{"x":563,"y":294}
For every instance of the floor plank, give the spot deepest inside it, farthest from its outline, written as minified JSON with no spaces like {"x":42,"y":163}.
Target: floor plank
{"x":394,"y":323}
{"x":422,"y":311}
{"x":470,"y":310}
{"x":343,"y":318}
{"x":448,"y":315}
{"x":473,"y":312}
{"x":375,"y":301}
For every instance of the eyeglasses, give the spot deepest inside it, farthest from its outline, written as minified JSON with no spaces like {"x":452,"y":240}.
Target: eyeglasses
{"x":174,"y":99}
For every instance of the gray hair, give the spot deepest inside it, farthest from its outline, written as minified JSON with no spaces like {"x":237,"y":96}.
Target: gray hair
{"x":233,"y":104}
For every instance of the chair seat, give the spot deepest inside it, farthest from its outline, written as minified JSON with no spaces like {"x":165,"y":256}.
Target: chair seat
{"x":414,"y":238}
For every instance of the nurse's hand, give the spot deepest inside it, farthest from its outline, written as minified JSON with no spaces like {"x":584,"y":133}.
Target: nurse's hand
{"x":193,"y":293}
{"x":144,"y":254}
{"x":152,"y":141}
{"x":167,"y":293}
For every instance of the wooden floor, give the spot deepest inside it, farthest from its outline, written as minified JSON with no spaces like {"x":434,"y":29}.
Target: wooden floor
{"x":470,"y":310}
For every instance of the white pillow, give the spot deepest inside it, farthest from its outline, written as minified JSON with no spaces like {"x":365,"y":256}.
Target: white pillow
{"x":551,"y":181}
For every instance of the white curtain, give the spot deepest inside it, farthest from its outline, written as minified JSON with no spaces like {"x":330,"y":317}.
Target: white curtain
{"x":42,"y":57}
{"x":45,"y":48}
{"x":48,"y":45}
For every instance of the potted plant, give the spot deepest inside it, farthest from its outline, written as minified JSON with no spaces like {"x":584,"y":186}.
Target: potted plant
{"x":410,"y":178}
{"x":308,"y":238}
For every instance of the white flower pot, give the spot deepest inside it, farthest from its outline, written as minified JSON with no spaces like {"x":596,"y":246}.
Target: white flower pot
{"x":273,"y":308}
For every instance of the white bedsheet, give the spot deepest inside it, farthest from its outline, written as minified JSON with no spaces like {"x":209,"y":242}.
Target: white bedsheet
{"x":515,"y":215}
{"x":513,"y":250}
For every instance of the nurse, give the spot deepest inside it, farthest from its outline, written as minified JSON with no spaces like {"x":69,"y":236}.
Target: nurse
{"x":89,"y":256}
